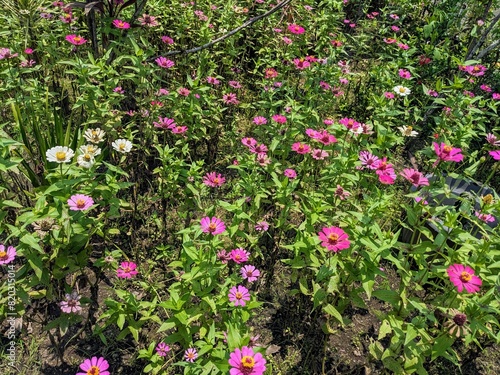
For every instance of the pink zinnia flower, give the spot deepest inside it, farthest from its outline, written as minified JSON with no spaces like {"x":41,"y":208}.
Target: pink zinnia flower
{"x":280,"y":119}
{"x":334,"y":239}
{"x":390,"y":40}
{"x":7,"y":256}
{"x":126,"y":270}
{"x":167,"y":40}
{"x":249,"y":142}
{"x":212,"y":225}
{"x":179,"y":129}
{"x":183,"y":91}
{"x":403,"y":46}
{"x":389,"y":95}
{"x":262,"y":159}
{"x":230,"y":98}
{"x":301,"y":63}
{"x":238,"y":295}
{"x":246,"y":362}
{"x":262,"y":226}
{"x":223,"y":256}
{"x":485,"y":88}
{"x":495,"y":96}
{"x":287,"y":40}
{"x":476,"y":70}
{"x":71,"y":303}
{"x":495,"y":154}
{"x":336,"y":43}
{"x":147,"y":20}
{"x":290,"y":173}
{"x":270,"y":73}
{"x":163,"y":62}
{"x":492,"y":139}
{"x":234,"y":84}
{"x":415,"y":177}
{"x":487,"y":218}
{"x":213,"y":179}
{"x":325,"y":137}
{"x":162,"y":349}
{"x":319,"y":154}
{"x":403,"y":73}
{"x":349,"y":123}
{"x":296,"y":29}
{"x":75,"y":39}
{"x":259,"y":120}
{"x":94,"y":366}
{"x":341,"y":193}
{"x":258,"y":149}
{"x":250,"y":273}
{"x":463,"y":276}
{"x":119,"y":24}
{"x":190,"y":355}
{"x":239,"y":255}
{"x":165,"y":123}
{"x":80,"y":202}
{"x":447,"y":153}
{"x":368,"y":160}
{"x":301,"y":148}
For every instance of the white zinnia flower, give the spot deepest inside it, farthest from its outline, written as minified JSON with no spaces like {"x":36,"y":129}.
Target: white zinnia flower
{"x":407,"y":131}
{"x":402,"y":91}
{"x":60,"y":154}
{"x":122,"y":145}
{"x":86,"y":160}
{"x":94,"y":135}
{"x":90,"y":149}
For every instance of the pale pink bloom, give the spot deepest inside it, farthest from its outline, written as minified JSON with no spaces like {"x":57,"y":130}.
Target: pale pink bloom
{"x":126,"y":270}
{"x":162,"y":92}
{"x":167,"y":40}
{"x":301,"y":64}
{"x":119,"y":90}
{"x":389,"y":95}
{"x":319,"y":154}
{"x":341,"y":193}
{"x":492,"y":139}
{"x":328,"y":121}
{"x":75,"y":39}
{"x":280,"y":119}
{"x":230,"y":98}
{"x":344,"y":81}
{"x":258,"y":149}
{"x":249,"y":142}
{"x":415,"y":177}
{"x":234,"y":84}
{"x":162,"y":349}
{"x":290,"y":173}
{"x":119,"y":24}
{"x":250,"y":273}
{"x":301,"y":148}
{"x":213,"y":81}
{"x":178,"y":129}
{"x":165,"y":63}
{"x":259,"y":120}
{"x":7,"y":256}
{"x":213,"y":179}
{"x":395,"y":29}
{"x":390,"y":40}
{"x":190,"y":355}
{"x":183,"y":91}
{"x":287,"y":40}
{"x":262,"y":226}
{"x":71,"y":303}
{"x":239,"y":295}
{"x":480,"y":23}
{"x":487,"y":218}
{"x":94,"y":365}
{"x":368,"y":160}
{"x":80,"y":202}
{"x":394,"y":16}
{"x":403,"y":46}
{"x":223,"y":256}
{"x":212,"y":225}
{"x":148,"y":21}
{"x":463,"y":277}
{"x":27,"y":63}
{"x":334,"y":239}
{"x":262,"y":159}
{"x":433,"y":93}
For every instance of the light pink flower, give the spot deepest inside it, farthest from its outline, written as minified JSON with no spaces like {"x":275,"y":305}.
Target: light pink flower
{"x":301,"y":64}
{"x":213,"y":179}
{"x":162,"y":349}
{"x":249,"y":142}
{"x":463,"y":277}
{"x":319,"y":154}
{"x":403,"y":73}
{"x":167,"y":40}
{"x":369,"y":160}
{"x":183,"y":91}
{"x":262,"y":159}
{"x":178,"y":129}
{"x":258,"y":149}
{"x":301,"y":148}
{"x":94,"y":365}
{"x":126,"y":270}
{"x":246,"y":362}
{"x":80,"y":202}
{"x":487,"y":218}
{"x":259,"y":120}
{"x":389,"y":95}
{"x":148,"y":21}
{"x":334,"y":239}
{"x":165,"y":63}
{"x":212,"y":225}
{"x":165,"y":123}
{"x":341,"y":193}
{"x":250,"y":273}
{"x":239,"y":295}
{"x":262,"y":226}
{"x":71,"y":303}
{"x":415,"y":177}
{"x":7,"y":256}
{"x":280,"y":119}
{"x":230,"y":98}
{"x":234,"y":84}
{"x":190,"y":355}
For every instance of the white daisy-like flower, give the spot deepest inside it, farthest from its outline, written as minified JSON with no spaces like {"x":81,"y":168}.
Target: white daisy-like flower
{"x":407,"y":131}
{"x":94,"y":135}
{"x":402,"y":91}
{"x":60,"y":154}
{"x":90,"y":149}
{"x":122,"y":145}
{"x":85,"y":160}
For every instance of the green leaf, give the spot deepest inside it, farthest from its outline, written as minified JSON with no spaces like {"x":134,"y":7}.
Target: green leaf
{"x":441,"y":345}
{"x":332,"y":311}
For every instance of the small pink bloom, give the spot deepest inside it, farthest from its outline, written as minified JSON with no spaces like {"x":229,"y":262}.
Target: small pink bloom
{"x":213,"y":179}
{"x":319,"y":154}
{"x":258,"y":149}
{"x":287,"y":40}
{"x":80,"y":202}
{"x":341,"y":193}
{"x":463,"y":277}
{"x":389,"y":95}
{"x":94,"y":365}
{"x":249,"y":142}
{"x":301,"y":148}
{"x":290,"y":173}
{"x":7,"y":256}
{"x":119,"y":24}
{"x":230,"y":98}
{"x":487,"y":218}
{"x":165,"y":123}
{"x":250,"y":273}
{"x":164,"y":62}
{"x":390,"y":40}
{"x":239,"y":295}
{"x":492,"y":139}
{"x":126,"y":270}
{"x":262,"y":226}
{"x":403,"y":46}
{"x":336,"y":43}
{"x":495,"y":96}
{"x":334,"y":239}
{"x":178,"y":129}
{"x":246,"y":362}
{"x":167,"y":40}
{"x":75,"y":39}
{"x":190,"y":355}
{"x":296,"y":29}
{"x":495,"y":154}
{"x":183,"y":91}
{"x":403,"y":73}
{"x":368,"y":160}
{"x":280,"y":119}
{"x":162,"y":349}
{"x":262,"y":159}
{"x":447,"y":153}
{"x":301,"y":64}
{"x":415,"y":177}
{"x":395,"y":29}
{"x":486,"y":88}
{"x":259,"y":120}
{"x":28,"y":51}
{"x":71,"y":303}
{"x":212,"y":225}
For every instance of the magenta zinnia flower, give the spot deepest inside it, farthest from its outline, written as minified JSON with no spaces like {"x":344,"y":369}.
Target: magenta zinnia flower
{"x":259,"y":120}
{"x":212,"y":225}
{"x":495,"y":154}
{"x":164,"y":62}
{"x":238,"y":295}
{"x":447,"y":153}
{"x":239,"y":255}
{"x":301,"y":148}
{"x":280,"y":119}
{"x":463,"y":277}
{"x":334,"y":239}
{"x":162,"y":349}
{"x":75,"y":39}
{"x":290,"y":173}
{"x":296,"y":29}
{"x":126,"y":270}
{"x":246,"y":362}
{"x":487,"y":218}
{"x":415,"y":177}
{"x":94,"y":366}
{"x":80,"y":202}
{"x":250,"y":273}
{"x":119,"y":24}
{"x":368,"y":160}
{"x":213,"y":179}
{"x":7,"y":256}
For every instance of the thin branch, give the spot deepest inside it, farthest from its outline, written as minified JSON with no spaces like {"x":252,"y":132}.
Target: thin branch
{"x":485,"y":51}
{"x":246,"y":24}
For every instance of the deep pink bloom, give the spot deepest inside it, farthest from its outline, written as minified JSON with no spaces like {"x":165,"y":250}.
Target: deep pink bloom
{"x":415,"y":177}
{"x":390,"y":40}
{"x":238,"y":295}
{"x":250,"y":273}
{"x":183,"y":91}
{"x":213,"y":179}
{"x":349,"y":123}
{"x":334,"y":239}
{"x":495,"y":96}
{"x":296,"y":29}
{"x":94,"y":366}
{"x":270,"y":73}
{"x":239,"y":255}
{"x":486,"y":88}
{"x":325,"y":137}
{"x":389,"y":95}
{"x":403,"y":73}
{"x":75,"y":39}
{"x":301,"y":64}
{"x":212,"y":225}
{"x":301,"y":148}
{"x":290,"y":173}
{"x":336,"y":43}
{"x":7,"y":256}
{"x":119,"y":24}
{"x":163,"y":62}
{"x":495,"y":154}
{"x":447,"y":153}
{"x":280,"y":119}
{"x":246,"y":362}
{"x":368,"y":160}
{"x":126,"y":270}
{"x":487,"y":218}
{"x":387,"y":178}
{"x":162,"y":349}
{"x":475,"y":70}
{"x":230,"y":98}
{"x":249,"y":142}
{"x":463,"y":276}
{"x":80,"y":202}
{"x":191,"y":354}
{"x":259,"y":120}
{"x":383,"y":167}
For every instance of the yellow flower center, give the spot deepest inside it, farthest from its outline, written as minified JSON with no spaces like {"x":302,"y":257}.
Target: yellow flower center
{"x":122,"y":146}
{"x":402,"y":90}
{"x":488,"y":199}
{"x":87,"y":157}
{"x":80,"y":203}
{"x":465,"y":277}
{"x":447,"y":149}
{"x":77,"y":39}
{"x":126,"y":269}
{"x":3,"y":255}
{"x":94,"y":370}
{"x":333,"y":237}
{"x":61,"y":155}
{"x":238,"y":295}
{"x":216,"y":180}
{"x":212,"y":227}
{"x":248,"y":361}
